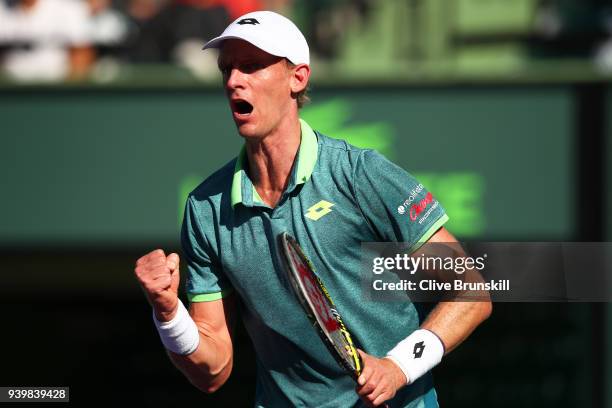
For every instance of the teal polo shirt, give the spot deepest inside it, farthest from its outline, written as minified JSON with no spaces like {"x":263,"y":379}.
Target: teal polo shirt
{"x":338,"y":196}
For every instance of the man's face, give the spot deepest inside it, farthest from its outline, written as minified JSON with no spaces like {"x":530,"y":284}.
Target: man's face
{"x":257,"y":85}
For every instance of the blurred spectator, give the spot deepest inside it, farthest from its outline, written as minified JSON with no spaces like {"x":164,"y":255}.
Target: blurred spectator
{"x":570,"y":28}
{"x":45,"y":39}
{"x":175,"y":32}
{"x":234,"y":8}
{"x":109,"y":27}
{"x":325,"y":22}
{"x":109,"y":30}
{"x":141,"y":45}
{"x":158,"y":27}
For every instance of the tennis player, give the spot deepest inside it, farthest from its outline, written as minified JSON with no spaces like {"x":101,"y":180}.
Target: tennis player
{"x":331,"y":196}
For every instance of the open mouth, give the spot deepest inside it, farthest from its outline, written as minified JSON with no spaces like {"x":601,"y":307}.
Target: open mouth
{"x":242,"y":107}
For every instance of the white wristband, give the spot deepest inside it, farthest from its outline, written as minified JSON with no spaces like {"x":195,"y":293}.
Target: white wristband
{"x":180,"y":335}
{"x":417,"y":354}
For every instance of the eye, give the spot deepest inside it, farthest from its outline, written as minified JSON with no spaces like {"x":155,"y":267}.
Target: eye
{"x":224,"y":68}
{"x":251,"y":67}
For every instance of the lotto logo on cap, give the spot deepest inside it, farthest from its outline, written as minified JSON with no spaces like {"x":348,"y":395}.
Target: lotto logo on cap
{"x":268,"y":31}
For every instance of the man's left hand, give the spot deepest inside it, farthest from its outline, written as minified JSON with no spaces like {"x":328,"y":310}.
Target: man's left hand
{"x":379,"y":380}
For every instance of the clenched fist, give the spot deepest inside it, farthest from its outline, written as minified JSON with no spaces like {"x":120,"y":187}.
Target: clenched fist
{"x":159,"y":277}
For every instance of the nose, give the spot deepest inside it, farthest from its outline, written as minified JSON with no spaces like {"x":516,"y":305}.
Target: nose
{"x":235,"y":79}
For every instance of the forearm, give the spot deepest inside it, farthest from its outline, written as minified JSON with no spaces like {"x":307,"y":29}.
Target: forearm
{"x":454,"y":321}
{"x":199,"y":342}
{"x":209,"y":366}
{"x":444,"y":329}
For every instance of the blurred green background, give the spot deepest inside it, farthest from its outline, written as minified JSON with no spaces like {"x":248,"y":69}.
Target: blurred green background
{"x":502,"y":108}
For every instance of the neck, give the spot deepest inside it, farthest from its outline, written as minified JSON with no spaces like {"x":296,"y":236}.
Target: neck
{"x":271,"y":159}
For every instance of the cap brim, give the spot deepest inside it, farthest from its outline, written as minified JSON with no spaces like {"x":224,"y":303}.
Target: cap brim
{"x":217,"y":41}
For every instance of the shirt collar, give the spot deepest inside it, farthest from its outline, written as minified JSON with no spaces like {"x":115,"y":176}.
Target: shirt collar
{"x":243,"y":190}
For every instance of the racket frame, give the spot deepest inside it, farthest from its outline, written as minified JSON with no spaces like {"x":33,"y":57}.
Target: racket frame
{"x":354,"y":366}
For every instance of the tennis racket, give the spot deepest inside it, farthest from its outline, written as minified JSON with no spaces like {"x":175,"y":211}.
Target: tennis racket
{"x":318,"y":305}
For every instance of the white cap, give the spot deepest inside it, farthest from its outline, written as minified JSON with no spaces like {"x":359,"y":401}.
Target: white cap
{"x":268,"y":31}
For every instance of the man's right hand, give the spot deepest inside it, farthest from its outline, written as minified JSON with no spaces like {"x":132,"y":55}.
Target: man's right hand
{"x":159,"y":277}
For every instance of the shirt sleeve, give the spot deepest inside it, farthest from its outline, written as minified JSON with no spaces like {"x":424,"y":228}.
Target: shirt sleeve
{"x":397,"y":207}
{"x":206,"y":280}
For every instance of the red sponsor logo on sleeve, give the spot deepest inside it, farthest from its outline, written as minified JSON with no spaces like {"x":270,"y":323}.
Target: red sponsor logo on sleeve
{"x":418,"y":208}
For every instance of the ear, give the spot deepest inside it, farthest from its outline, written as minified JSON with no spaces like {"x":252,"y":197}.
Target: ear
{"x":299,"y":78}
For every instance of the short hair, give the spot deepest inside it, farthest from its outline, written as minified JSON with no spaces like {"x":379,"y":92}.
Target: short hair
{"x":302,"y":96}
